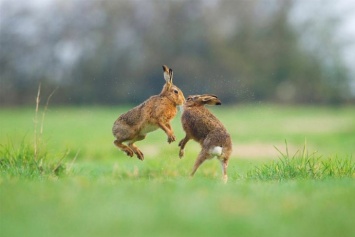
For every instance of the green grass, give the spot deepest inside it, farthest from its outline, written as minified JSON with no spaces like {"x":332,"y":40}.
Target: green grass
{"x":24,"y":163}
{"x":101,"y":192}
{"x":303,"y":165}
{"x":179,"y":207}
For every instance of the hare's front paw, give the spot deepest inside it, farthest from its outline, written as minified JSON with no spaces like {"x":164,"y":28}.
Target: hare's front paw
{"x":171,"y":138}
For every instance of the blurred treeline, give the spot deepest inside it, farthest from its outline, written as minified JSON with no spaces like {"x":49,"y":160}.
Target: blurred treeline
{"x":111,"y":52}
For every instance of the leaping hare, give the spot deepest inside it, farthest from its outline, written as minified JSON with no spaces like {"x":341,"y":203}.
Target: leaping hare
{"x":202,"y":126}
{"x":156,"y":112}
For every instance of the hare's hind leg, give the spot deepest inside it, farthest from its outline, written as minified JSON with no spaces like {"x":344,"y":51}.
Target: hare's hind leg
{"x":122,"y":133}
{"x":123,"y":147}
{"x":200,"y":159}
{"x":224,"y":158}
{"x":224,"y":163}
{"x":135,"y":149}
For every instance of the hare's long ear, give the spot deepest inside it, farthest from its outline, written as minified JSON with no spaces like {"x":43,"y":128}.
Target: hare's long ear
{"x":171,"y":75}
{"x":210,"y":99}
{"x":168,"y":75}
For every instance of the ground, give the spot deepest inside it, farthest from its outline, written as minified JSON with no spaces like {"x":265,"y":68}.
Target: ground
{"x":104,"y":192}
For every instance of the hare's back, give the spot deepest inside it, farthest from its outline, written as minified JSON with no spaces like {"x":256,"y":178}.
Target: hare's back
{"x":132,"y":117}
{"x":194,"y":124}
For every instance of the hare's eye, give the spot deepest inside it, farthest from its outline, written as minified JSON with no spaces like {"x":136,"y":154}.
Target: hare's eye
{"x":188,"y":99}
{"x":176,"y":91}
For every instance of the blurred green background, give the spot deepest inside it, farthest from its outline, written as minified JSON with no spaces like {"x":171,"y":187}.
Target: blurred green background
{"x":111,"y":52}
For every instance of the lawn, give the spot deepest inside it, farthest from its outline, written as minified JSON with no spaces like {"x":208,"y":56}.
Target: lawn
{"x":102,"y":192}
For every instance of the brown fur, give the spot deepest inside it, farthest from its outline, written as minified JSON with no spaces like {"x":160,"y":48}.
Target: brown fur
{"x":156,"y":112}
{"x":202,"y":126}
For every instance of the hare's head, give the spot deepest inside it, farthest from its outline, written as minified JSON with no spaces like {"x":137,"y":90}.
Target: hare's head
{"x":200,"y":100}
{"x":171,"y":91}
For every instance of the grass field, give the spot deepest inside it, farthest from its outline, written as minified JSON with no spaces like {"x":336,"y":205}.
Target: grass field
{"x":102,"y":192}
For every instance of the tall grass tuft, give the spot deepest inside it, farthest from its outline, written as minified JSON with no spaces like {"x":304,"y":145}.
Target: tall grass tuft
{"x":27,"y":161}
{"x":23,"y":162}
{"x":303,"y":165}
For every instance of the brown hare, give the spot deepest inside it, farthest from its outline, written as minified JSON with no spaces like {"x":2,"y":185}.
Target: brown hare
{"x":156,"y":112}
{"x":202,"y":126}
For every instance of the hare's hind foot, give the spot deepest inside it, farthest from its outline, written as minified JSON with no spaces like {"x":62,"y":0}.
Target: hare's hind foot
{"x":139,"y":154}
{"x":224,"y":164}
{"x":181,"y":153}
{"x":225,"y":179}
{"x":136,"y":151}
{"x":124,"y":148}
